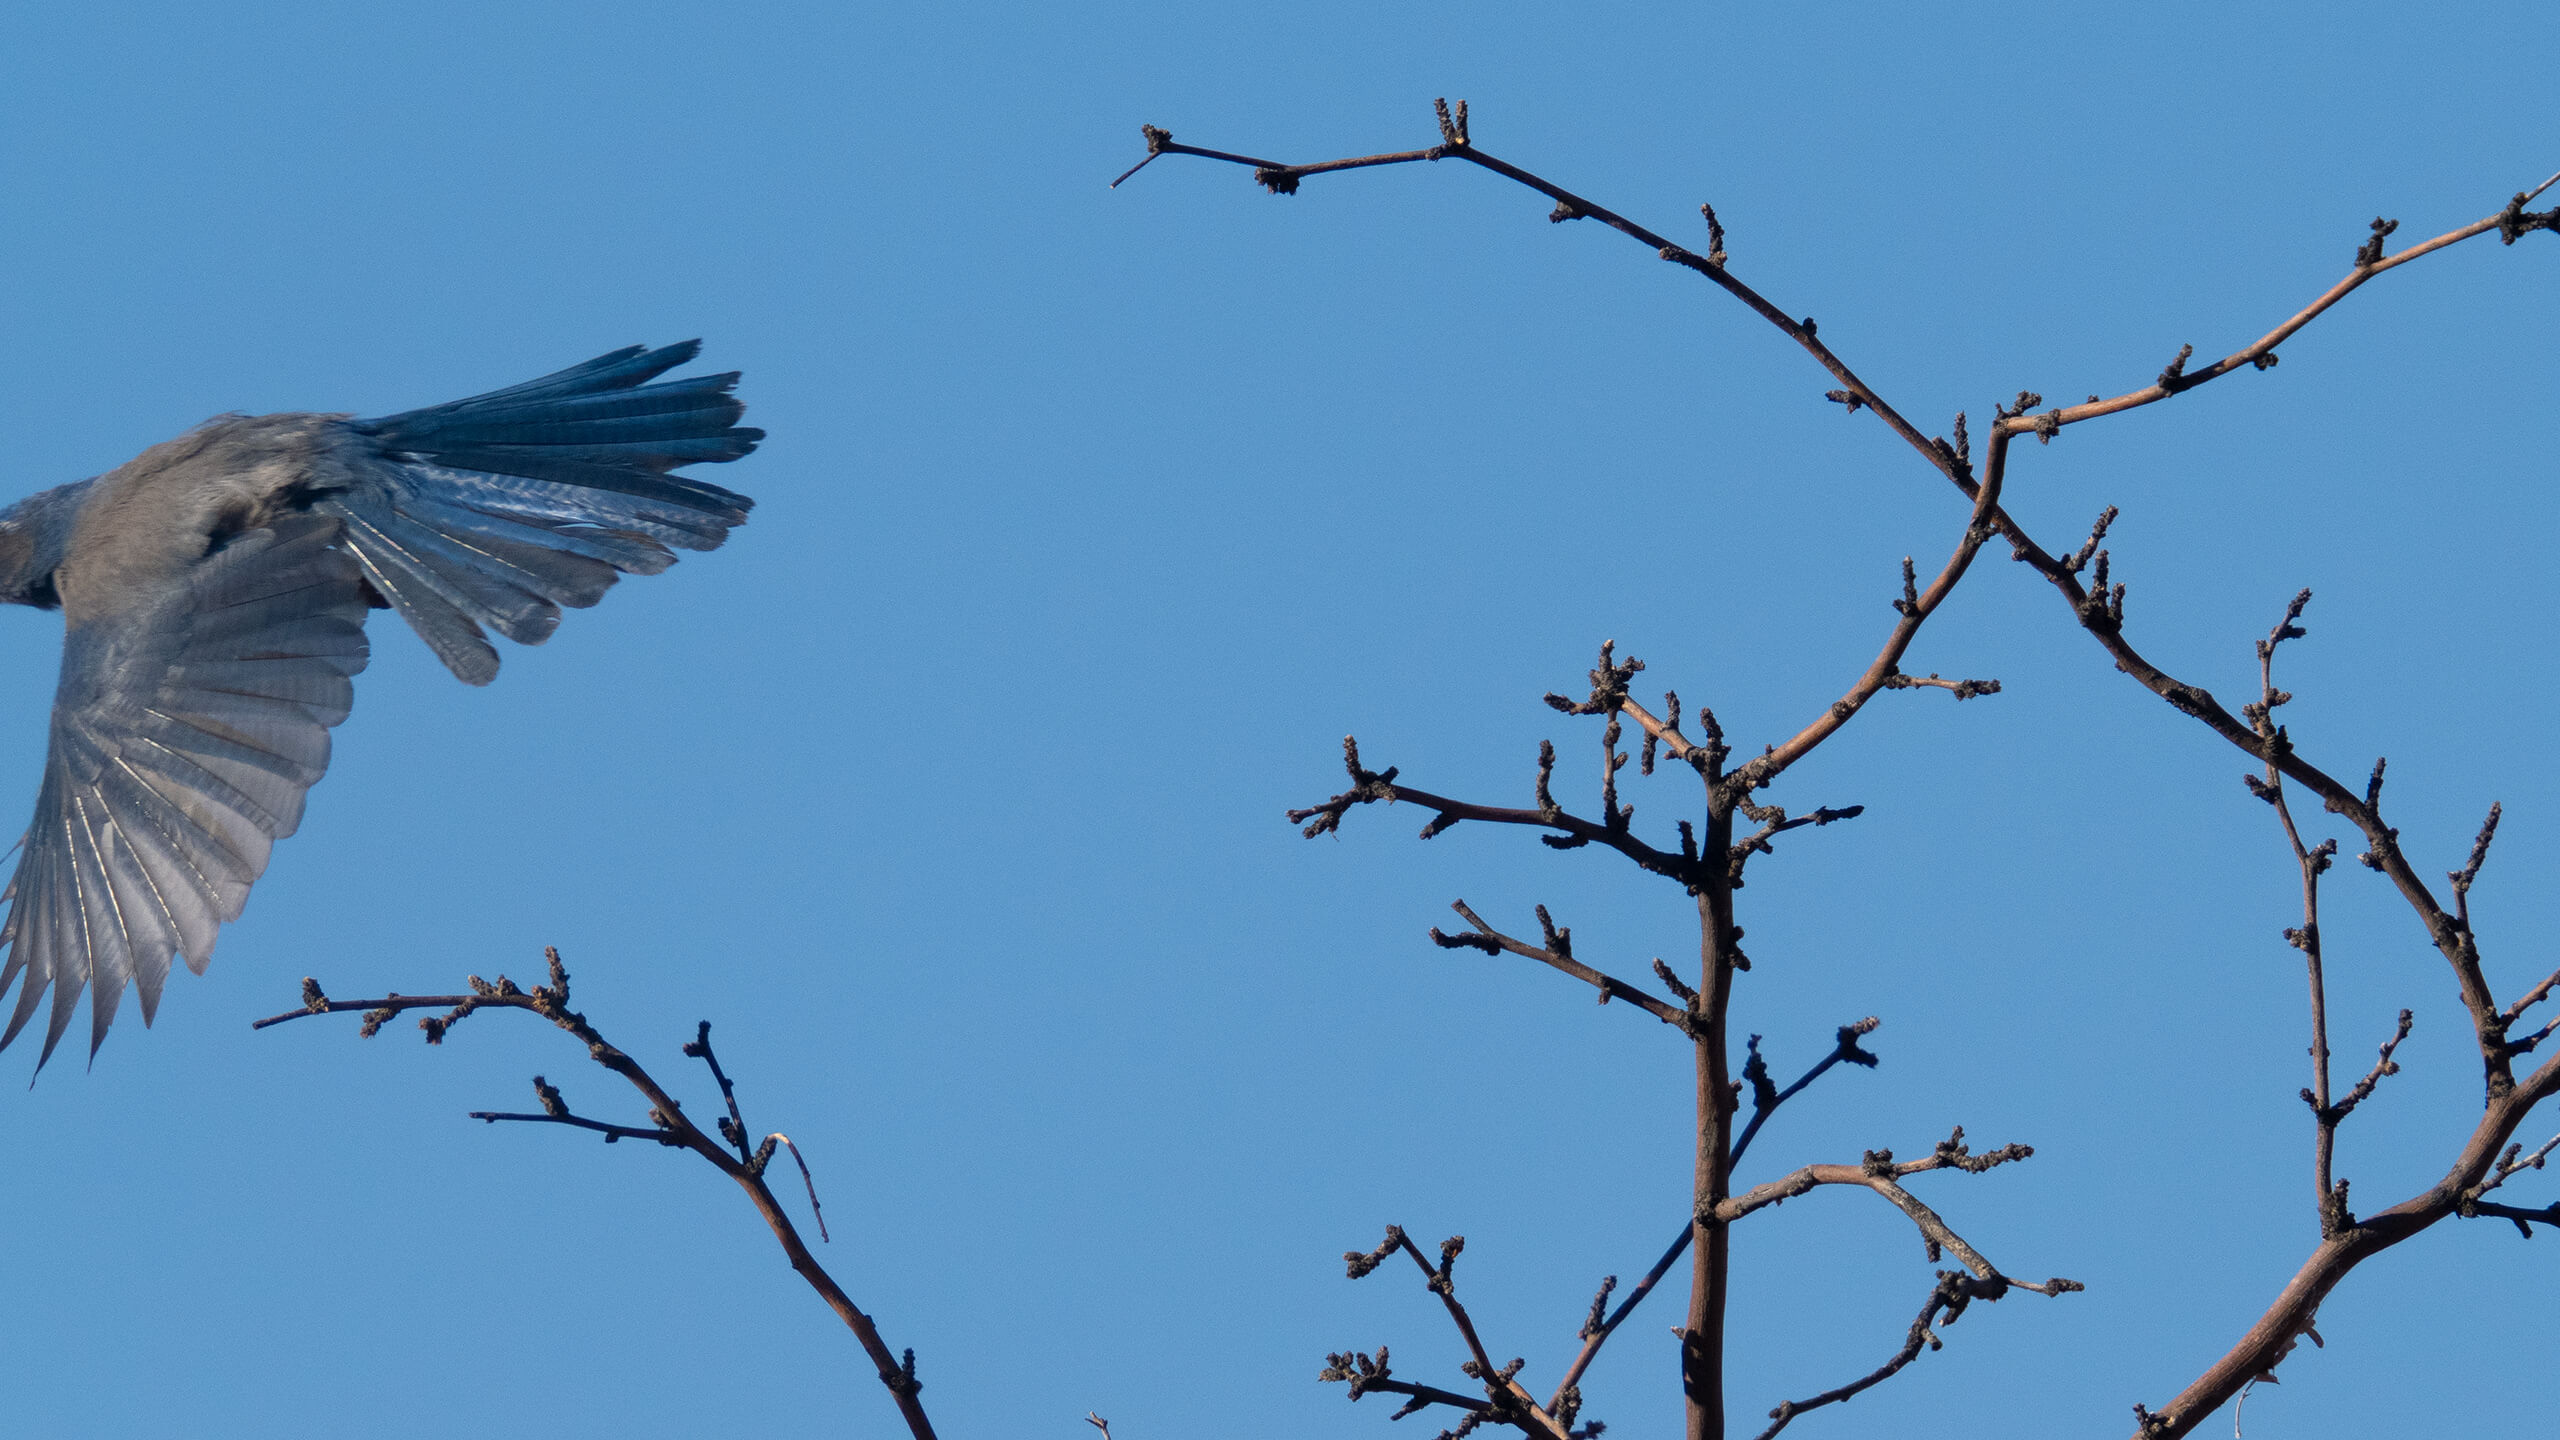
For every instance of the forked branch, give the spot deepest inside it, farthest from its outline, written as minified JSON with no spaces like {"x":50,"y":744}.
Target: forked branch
{"x":1954,"y":1292}
{"x":1766,"y":1097}
{"x":1558,"y":952}
{"x":1506,"y":1401}
{"x":1765,"y":1100}
{"x":1571,"y":831}
{"x":743,"y":1161}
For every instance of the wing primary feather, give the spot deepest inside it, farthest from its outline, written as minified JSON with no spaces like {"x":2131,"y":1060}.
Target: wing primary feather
{"x":185,"y":736}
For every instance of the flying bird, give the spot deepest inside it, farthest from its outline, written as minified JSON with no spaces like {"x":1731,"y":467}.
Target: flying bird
{"x":214,"y":591}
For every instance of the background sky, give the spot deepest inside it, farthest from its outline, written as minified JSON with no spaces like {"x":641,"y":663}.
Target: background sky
{"x":951,"y":790}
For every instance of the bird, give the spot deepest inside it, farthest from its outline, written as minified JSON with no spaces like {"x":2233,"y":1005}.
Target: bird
{"x":214,"y":592}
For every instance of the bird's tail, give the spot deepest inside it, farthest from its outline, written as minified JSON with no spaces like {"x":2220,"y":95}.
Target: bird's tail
{"x":498,"y":510}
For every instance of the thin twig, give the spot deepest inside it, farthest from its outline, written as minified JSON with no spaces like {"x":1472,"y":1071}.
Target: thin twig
{"x":2310,"y":863}
{"x":2531,"y":998}
{"x":1572,"y":830}
{"x":1591,"y":1343}
{"x":2382,"y":1065}
{"x":610,"y":1132}
{"x":2260,"y":353}
{"x":1880,"y":1172}
{"x":1368,"y":1374}
{"x":1558,"y":953}
{"x":1954,"y":1291}
{"x":2524,"y":1219}
{"x":1886,"y":668}
{"x":1844,"y":1046}
{"x":816,"y":1211}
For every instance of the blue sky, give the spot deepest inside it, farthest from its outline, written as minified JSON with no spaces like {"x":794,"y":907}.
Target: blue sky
{"x":951,"y":791}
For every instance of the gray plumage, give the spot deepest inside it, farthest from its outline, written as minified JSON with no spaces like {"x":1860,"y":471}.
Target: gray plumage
{"x":214,"y":592}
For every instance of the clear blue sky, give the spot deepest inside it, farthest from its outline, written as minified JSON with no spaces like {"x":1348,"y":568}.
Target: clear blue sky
{"x":951,"y":790}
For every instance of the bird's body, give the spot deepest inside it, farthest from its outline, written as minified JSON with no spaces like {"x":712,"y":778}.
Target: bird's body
{"x":214,"y":591}
{"x":165,"y":509}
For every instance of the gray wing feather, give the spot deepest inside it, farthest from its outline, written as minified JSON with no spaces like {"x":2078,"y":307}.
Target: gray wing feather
{"x":193,"y":716}
{"x":185,"y":735}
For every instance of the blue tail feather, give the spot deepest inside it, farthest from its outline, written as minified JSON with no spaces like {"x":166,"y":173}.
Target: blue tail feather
{"x":497,"y":510}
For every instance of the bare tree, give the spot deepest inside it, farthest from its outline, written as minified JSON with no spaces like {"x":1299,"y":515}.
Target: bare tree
{"x":1710,"y":857}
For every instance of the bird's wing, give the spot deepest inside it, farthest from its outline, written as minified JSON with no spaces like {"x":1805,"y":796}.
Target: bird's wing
{"x":185,"y":734}
{"x":498,"y":510}
{"x":192,"y":719}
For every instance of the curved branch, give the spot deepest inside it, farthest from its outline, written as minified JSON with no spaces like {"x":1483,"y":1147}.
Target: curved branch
{"x":1880,"y":1172}
{"x":1558,"y":953}
{"x":669,"y":1126}
{"x":2261,"y":352}
{"x":2297,"y":1306}
{"x":1952,"y":1294}
{"x":1888,"y":662}
{"x":2509,"y":222}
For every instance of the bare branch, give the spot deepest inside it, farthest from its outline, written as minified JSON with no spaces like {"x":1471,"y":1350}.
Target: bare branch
{"x":1609,"y":681}
{"x":1365,"y":788}
{"x":1592,"y":1341}
{"x":668,"y":1126}
{"x":2340,"y":1252}
{"x":1367,"y":1374}
{"x":808,"y":1181}
{"x":1557,"y":952}
{"x":2523,"y":1218}
{"x":1880,"y":1172}
{"x":1844,"y":1047}
{"x":1915,"y":609}
{"x":1572,"y":830}
{"x":1955,"y":1291}
{"x":555,"y":1111}
{"x":1775,"y":821}
{"x":2510,"y":223}
{"x":1283,"y":179}
{"x":1963,"y":689}
{"x":1707,"y":756}
{"x":1505,"y":1402}
{"x":2382,"y":1066}
{"x":2509,"y":1164}
{"x":2261,"y":353}
{"x":2531,"y":998}
{"x":2512,"y":1163}
{"x":2464,"y":878}
{"x":2310,"y":863}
